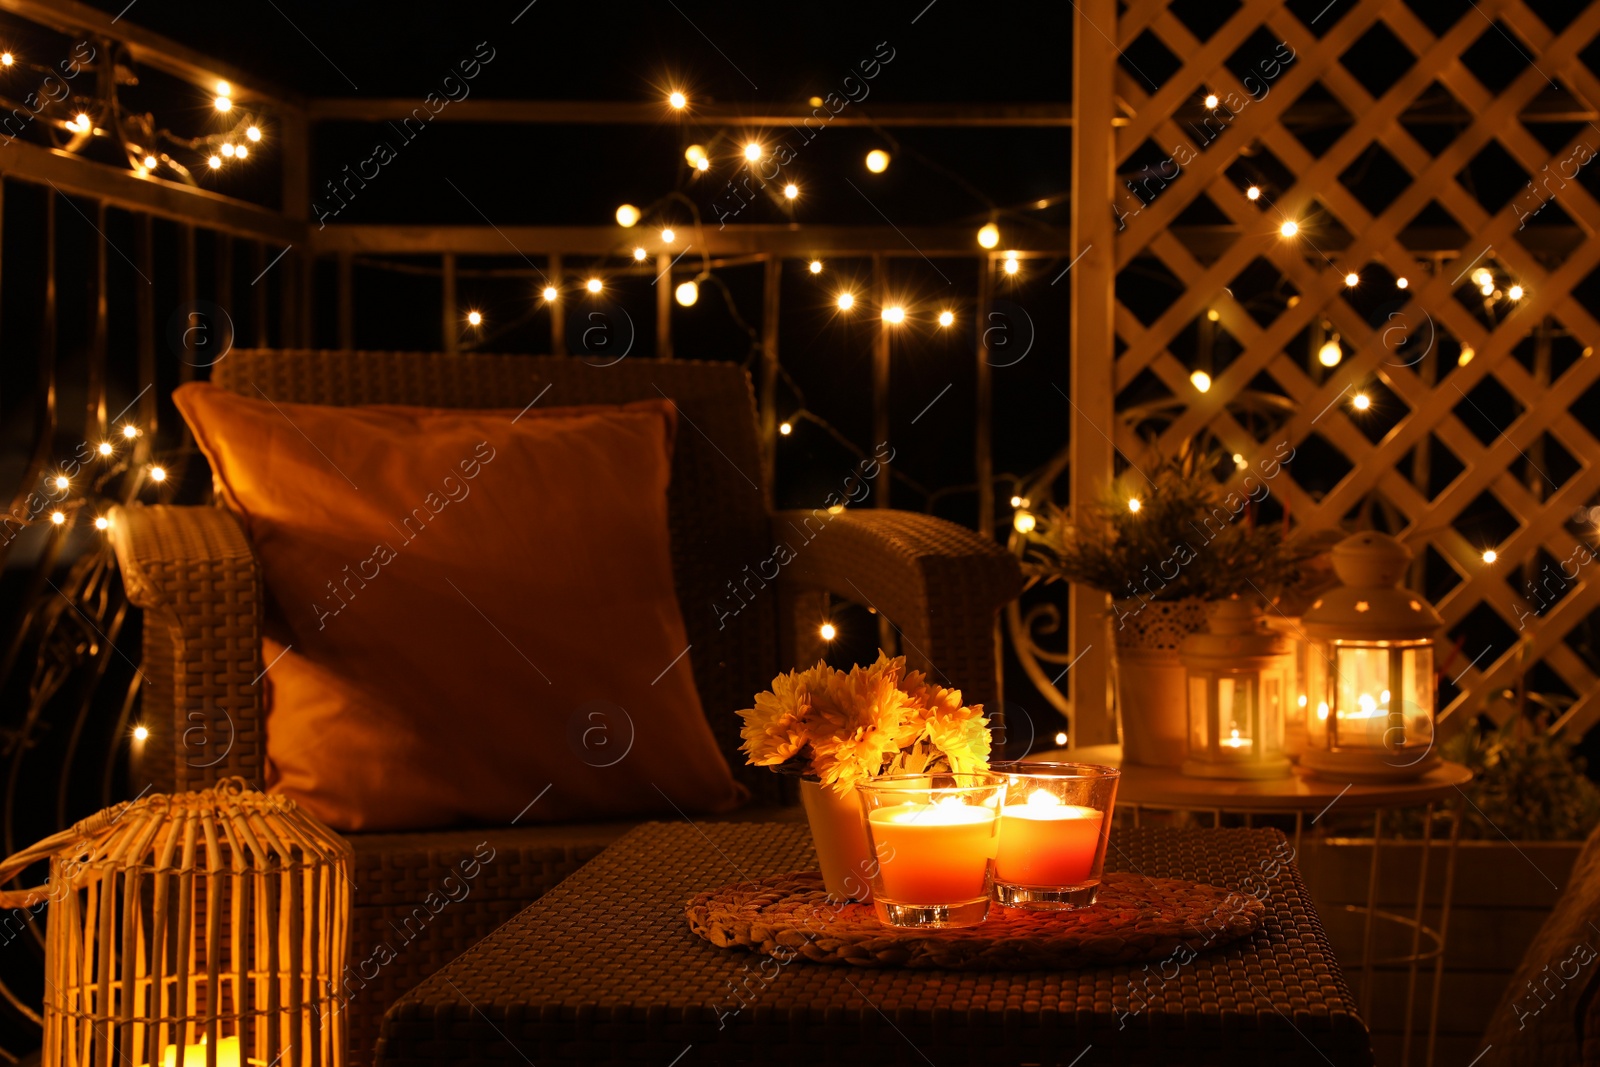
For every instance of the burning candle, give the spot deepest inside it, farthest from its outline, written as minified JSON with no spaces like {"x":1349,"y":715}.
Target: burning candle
{"x":938,"y":853}
{"x":195,"y":1055}
{"x":1047,"y":842}
{"x":1240,"y":745}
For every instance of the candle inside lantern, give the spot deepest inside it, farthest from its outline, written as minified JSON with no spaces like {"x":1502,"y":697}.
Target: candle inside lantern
{"x":1241,"y":745}
{"x":195,"y":1055}
{"x":934,"y":853}
{"x":1047,"y":842}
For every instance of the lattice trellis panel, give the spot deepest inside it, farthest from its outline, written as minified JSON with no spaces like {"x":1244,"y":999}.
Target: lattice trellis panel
{"x":1340,"y":235}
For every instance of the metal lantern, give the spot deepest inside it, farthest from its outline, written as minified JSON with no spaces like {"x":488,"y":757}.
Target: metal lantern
{"x":206,"y":929}
{"x":1239,"y":677}
{"x":1370,"y":680}
{"x":1294,"y":711}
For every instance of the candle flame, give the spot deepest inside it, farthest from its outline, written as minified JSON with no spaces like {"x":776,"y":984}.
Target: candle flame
{"x":1043,"y":798}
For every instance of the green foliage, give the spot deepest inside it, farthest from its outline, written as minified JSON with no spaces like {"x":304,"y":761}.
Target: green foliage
{"x":1529,"y":784}
{"x":1191,"y":537}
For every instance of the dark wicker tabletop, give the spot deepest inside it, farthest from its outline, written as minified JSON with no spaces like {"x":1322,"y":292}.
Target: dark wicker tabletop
{"x":605,"y":970}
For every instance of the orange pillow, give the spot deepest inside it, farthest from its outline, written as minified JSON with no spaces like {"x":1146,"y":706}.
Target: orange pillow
{"x":465,"y":607}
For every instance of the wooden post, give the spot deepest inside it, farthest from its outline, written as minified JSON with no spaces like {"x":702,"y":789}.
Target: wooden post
{"x":772,"y":284}
{"x":346,"y":304}
{"x":558,"y":324}
{"x":880,"y":377}
{"x":1092,"y":281}
{"x":663,"y":306}
{"x":450,"y":327}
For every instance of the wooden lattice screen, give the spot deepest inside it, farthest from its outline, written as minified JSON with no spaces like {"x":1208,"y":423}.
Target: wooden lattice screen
{"x":1189,"y":214}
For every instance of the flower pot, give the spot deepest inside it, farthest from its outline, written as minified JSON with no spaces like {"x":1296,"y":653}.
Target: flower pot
{"x":1150,"y":679}
{"x":840,"y":836}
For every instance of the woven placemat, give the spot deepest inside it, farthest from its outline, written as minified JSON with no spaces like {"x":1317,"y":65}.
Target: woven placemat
{"x":1133,"y":920}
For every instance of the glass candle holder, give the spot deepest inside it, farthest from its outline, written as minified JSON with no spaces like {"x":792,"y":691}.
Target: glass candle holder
{"x":934,"y":837}
{"x":1053,"y":833}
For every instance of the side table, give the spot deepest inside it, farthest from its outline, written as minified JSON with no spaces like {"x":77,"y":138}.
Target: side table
{"x":1300,"y":795}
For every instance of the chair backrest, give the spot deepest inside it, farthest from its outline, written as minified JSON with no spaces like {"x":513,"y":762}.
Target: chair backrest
{"x":717,"y":503}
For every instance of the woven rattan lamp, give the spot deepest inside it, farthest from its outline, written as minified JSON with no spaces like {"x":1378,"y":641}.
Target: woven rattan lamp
{"x":205,"y":928}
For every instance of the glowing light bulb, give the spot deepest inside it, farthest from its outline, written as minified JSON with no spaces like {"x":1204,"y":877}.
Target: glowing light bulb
{"x":1213,"y":315}
{"x":988,"y":235}
{"x":815,"y":266}
{"x":1361,"y":401}
{"x":62,"y":481}
{"x":130,"y":430}
{"x":1352,"y":279}
{"x":1302,"y":700}
{"x":105,"y":448}
{"x":752,"y":151}
{"x":827,"y":631}
{"x":688,"y":293}
{"x":140,"y":733}
{"x":639,"y":254}
{"x":627,"y":215}
{"x":222,"y":103}
{"x":946,"y":318}
{"x":1289,"y":228}
{"x":102,"y":523}
{"x":57,"y":517}
{"x":786,"y":428}
{"x":1024,"y":522}
{"x":80,"y":122}
{"x":241,"y":151}
{"x":1490,"y":556}
{"x":1200,"y":380}
{"x":668,"y":235}
{"x":594,"y":285}
{"x":1515,"y":292}
{"x":7,"y":59}
{"x":877,"y":161}
{"x":1467,"y":352}
{"x":1400,"y":283}
{"x":1061,"y":740}
{"x":550,"y":292}
{"x":254,"y":133}
{"x":1322,"y":710}
{"x":1487,"y":288}
{"x":1330,"y":354}
{"x":1482,"y":277}
{"x":1211,"y":100}
{"x":894,"y":314}
{"x":158,"y":474}
{"x":227,"y":151}
{"x":1011,"y":265}
{"x":702,"y":164}
{"x":1134,"y":504}
{"x":1253,"y":193}
{"x":678,"y":101}
{"x":150,"y":162}
{"x":846,"y":301}
{"x":1016,"y":501}
{"x":224,"y":89}
{"x":215,"y":162}
{"x":475,"y":318}
{"x":694,"y":154}
{"x":1239,"y":461}
{"x":791,"y":191}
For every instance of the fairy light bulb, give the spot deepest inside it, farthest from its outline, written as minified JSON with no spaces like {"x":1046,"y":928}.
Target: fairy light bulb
{"x":224,"y":89}
{"x":694,"y":154}
{"x":158,"y":474}
{"x":815,"y":266}
{"x":1467,"y":353}
{"x":639,"y":254}
{"x":877,"y":161}
{"x":1361,"y":401}
{"x":222,"y":103}
{"x":7,"y":59}
{"x":1515,"y":292}
{"x":550,"y":293}
{"x":130,"y":430}
{"x":105,"y":448}
{"x":677,"y":100}
{"x":1200,"y":380}
{"x":786,"y":428}
{"x":1024,"y":521}
{"x":791,"y":191}
{"x":58,"y":517}
{"x":241,"y":152}
{"x":1289,"y":228}
{"x":1239,"y":461}
{"x":1490,"y":555}
{"x":946,"y":318}
{"x":1352,"y":279}
{"x":1401,"y":283}
{"x":1211,"y":100}
{"x":254,"y":133}
{"x":102,"y":523}
{"x":474,"y":318}
{"x":1011,"y":264}
{"x":846,"y":301}
{"x":227,"y":151}
{"x":63,"y":482}
{"x":627,"y":215}
{"x":894,"y":315}
{"x":688,"y":293}
{"x":1330,"y":353}
{"x":141,"y":733}
{"x":1487,"y":288}
{"x":752,"y":151}
{"x":150,"y":162}
{"x":1253,"y":193}
{"x":1135,"y":504}
{"x":827,"y":631}
{"x":988,"y":235}
{"x":668,"y":236}
{"x":594,"y":285}
{"x":702,"y":164}
{"x":1483,"y":277}
{"x":1061,"y":739}
{"x":215,"y":162}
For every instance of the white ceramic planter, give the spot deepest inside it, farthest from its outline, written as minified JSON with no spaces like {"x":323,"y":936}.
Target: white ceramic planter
{"x":1150,"y":679}
{"x":840,"y":837}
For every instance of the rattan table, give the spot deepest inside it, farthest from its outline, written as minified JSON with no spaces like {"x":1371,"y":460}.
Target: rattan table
{"x":604,"y":970}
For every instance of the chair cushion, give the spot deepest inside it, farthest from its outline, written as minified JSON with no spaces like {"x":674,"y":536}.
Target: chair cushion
{"x":470,"y":614}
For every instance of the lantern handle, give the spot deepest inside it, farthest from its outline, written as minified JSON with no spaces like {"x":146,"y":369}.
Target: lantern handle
{"x":45,"y":848}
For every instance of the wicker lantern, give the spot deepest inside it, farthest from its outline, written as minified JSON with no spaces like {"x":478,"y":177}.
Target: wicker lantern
{"x":1239,"y":675}
{"x":205,"y":928}
{"x":1370,"y":681}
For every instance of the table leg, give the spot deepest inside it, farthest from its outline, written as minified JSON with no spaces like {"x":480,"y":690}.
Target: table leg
{"x":1372,"y":907}
{"x":1457,"y":810}
{"x":1416,"y":931}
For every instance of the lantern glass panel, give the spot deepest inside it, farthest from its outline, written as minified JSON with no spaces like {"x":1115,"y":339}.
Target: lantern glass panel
{"x":1199,"y":721}
{"x":1380,"y":696}
{"x":1235,"y":703}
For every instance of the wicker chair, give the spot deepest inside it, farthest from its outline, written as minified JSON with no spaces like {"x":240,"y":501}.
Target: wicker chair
{"x":192,"y":571}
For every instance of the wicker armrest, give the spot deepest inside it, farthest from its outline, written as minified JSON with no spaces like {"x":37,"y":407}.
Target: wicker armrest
{"x":939,"y":584}
{"x":192,"y":571}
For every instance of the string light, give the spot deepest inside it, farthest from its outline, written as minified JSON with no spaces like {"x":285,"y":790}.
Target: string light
{"x":752,"y":151}
{"x":215,"y":162}
{"x":1211,"y":100}
{"x":1330,"y":353}
{"x":1201,"y":381}
{"x":1253,"y":193}
{"x":1361,"y":401}
{"x":130,"y":430}
{"x":1016,"y":502}
{"x":1213,"y":315}
{"x":702,"y":164}
{"x":1515,"y":292}
{"x":668,"y":236}
{"x":57,"y":517}
{"x":158,"y":474}
{"x":1490,"y":555}
{"x":1352,"y":279}
{"x":62,"y":481}
{"x":550,"y":293}
{"x":241,"y":151}
{"x":677,"y":100}
{"x":988,"y":235}
{"x":1483,"y":278}
{"x":594,"y":285}
{"x":694,"y":154}
{"x":102,"y":523}
{"x":150,"y":162}
{"x":815,"y":266}
{"x":688,"y":293}
{"x":474,"y":318}
{"x":253,"y":132}
{"x":791,"y":191}
{"x":846,"y":301}
{"x":1289,"y":228}
{"x":1011,"y":264}
{"x":827,"y":631}
{"x":1239,"y":461}
{"x":7,"y":59}
{"x":224,"y":89}
{"x":222,"y":103}
{"x":1134,"y":504}
{"x":786,"y":428}
{"x":1487,"y":288}
{"x":105,"y":448}
{"x":946,"y":318}
{"x":80,"y":122}
{"x":639,"y":254}
{"x":1467,"y":352}
{"x":627,"y":215}
{"x":1400,"y":283}
{"x":1061,"y":740}
{"x":140,"y":733}
{"x":877,"y":161}
{"x":227,"y":150}
{"x":1024,"y":522}
{"x":894,"y":315}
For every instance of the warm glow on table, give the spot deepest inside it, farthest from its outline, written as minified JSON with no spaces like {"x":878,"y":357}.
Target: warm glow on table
{"x":1046,"y":842}
{"x":934,"y":853}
